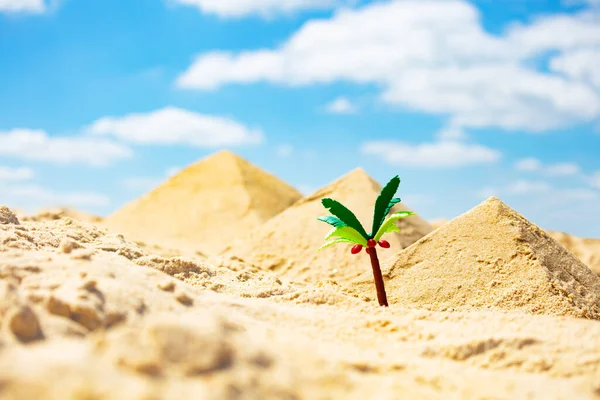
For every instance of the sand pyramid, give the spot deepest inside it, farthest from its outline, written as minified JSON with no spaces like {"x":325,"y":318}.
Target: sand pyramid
{"x":288,"y":243}
{"x":489,"y":258}
{"x":205,"y":206}
{"x":586,"y":249}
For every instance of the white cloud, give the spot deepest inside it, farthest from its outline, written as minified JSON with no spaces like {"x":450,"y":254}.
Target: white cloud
{"x":555,"y":32}
{"x":524,"y":187}
{"x":8,"y":174}
{"x":428,"y":55}
{"x":528,"y":164}
{"x":37,"y":145}
{"x":558,"y":169}
{"x":580,"y":64}
{"x":265,"y":8}
{"x":341,"y":105}
{"x":452,"y":133}
{"x":595,"y":180}
{"x":36,"y":196}
{"x":284,"y":151}
{"x":563,"y":169}
{"x":176,"y":126}
{"x":431,"y":155}
{"x":525,"y":99}
{"x":578,"y":194}
{"x":22,"y":6}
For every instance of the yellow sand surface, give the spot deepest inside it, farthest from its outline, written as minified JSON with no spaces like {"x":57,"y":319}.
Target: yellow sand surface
{"x":205,"y":206}
{"x":586,"y":249}
{"x":486,"y":307}
{"x":491,"y":258}
{"x":288,"y":243}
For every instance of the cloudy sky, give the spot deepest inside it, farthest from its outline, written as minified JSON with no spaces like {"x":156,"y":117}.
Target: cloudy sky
{"x":102,"y":100}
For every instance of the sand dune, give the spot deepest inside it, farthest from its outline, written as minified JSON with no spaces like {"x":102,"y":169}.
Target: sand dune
{"x":205,"y":206}
{"x":585,"y":249}
{"x":491,"y":258}
{"x":288,"y":243}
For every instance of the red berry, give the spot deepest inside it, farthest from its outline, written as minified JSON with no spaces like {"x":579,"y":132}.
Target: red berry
{"x":369,"y":249}
{"x":371,"y":243}
{"x":385,"y":244}
{"x":356,"y":249}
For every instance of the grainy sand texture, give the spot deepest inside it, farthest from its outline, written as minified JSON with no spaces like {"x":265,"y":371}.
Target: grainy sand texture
{"x":486,"y":306}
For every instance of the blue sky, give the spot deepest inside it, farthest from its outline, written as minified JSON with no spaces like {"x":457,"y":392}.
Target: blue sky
{"x":102,"y":100}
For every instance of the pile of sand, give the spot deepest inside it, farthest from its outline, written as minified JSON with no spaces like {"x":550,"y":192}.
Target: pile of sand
{"x":85,"y":314}
{"x":288,"y":243}
{"x":48,"y":214}
{"x":490,"y":258}
{"x":587,"y":250}
{"x":205,"y":206}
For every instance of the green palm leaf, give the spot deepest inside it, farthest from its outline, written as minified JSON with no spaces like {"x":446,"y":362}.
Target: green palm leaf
{"x":333,"y":221}
{"x":345,"y":215}
{"x":389,"y":224}
{"x":384,"y":203}
{"x":348,"y":233}
{"x":334,"y":241}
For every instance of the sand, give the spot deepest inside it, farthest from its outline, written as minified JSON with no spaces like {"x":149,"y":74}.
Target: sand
{"x":487,"y":306}
{"x":58,"y":213}
{"x":288,"y":243}
{"x":86,"y":314}
{"x":491,"y":258}
{"x":205,"y":206}
{"x":586,"y":249}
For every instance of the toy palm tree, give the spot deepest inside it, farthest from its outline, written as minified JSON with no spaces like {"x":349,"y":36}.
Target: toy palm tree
{"x":347,"y":229}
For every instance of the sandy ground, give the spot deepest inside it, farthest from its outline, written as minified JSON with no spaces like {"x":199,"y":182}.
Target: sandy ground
{"x":88,"y":315}
{"x":486,"y":306}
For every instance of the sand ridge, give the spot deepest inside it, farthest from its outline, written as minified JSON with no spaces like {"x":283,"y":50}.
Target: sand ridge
{"x":288,"y":243}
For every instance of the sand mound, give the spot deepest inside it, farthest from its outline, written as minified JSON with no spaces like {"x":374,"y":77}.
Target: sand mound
{"x":491,"y":258}
{"x":50,"y":214}
{"x":205,"y":206}
{"x":288,"y":243}
{"x":587,"y":250}
{"x":85,"y":243}
{"x":8,"y":217}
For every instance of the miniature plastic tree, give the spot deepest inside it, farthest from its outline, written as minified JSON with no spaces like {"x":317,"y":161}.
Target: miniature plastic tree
{"x":348,"y":229}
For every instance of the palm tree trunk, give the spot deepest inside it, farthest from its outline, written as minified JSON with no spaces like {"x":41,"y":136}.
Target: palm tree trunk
{"x":381,"y":296}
